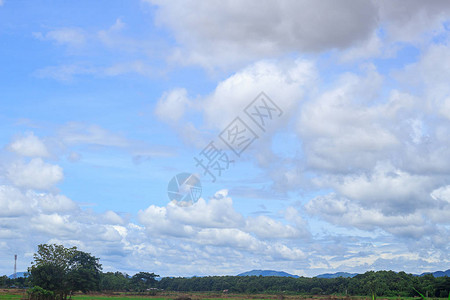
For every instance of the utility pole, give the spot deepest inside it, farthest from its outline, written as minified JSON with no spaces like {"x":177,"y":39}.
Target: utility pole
{"x":15,"y":266}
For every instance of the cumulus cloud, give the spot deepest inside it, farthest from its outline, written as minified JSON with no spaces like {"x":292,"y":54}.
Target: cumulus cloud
{"x":387,"y":188}
{"x":343,"y":212}
{"x":29,"y":145}
{"x":285,"y":84}
{"x":408,"y":23}
{"x":13,"y":202}
{"x":172,"y":105}
{"x":262,"y":28}
{"x":345,"y":128}
{"x":35,"y":174}
{"x":256,"y":29}
{"x":216,"y":223}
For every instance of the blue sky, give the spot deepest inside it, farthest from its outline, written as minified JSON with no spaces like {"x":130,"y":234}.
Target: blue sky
{"x":102,"y":103}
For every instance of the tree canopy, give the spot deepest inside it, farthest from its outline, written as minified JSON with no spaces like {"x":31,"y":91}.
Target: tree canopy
{"x":63,"y":270}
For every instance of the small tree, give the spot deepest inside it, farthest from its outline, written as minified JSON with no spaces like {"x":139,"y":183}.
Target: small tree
{"x":143,"y":280}
{"x":316,"y":291}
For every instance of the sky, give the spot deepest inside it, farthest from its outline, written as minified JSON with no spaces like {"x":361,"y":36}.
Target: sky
{"x":319,"y":131}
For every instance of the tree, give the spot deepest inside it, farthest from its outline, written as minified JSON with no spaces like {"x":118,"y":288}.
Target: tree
{"x":84,"y":274}
{"x":113,"y":281}
{"x":63,"y":270}
{"x":143,"y":280}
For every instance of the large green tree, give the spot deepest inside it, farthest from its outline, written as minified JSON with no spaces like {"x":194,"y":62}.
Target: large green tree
{"x":64,"y":270}
{"x":143,"y":281}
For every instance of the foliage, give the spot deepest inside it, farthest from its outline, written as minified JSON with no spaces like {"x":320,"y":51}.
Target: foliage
{"x":64,"y":270}
{"x":143,"y":281}
{"x":38,"y":293}
{"x":380,"y":284}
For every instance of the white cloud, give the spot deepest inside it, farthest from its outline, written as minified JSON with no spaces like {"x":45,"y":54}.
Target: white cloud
{"x":29,"y":145}
{"x":72,"y":37}
{"x":387,"y":188}
{"x":113,"y":218}
{"x":35,"y":174}
{"x":346,"y":128}
{"x":78,"y":133}
{"x":53,"y":203}
{"x":370,"y":48}
{"x":284,"y":83}
{"x":268,"y":228}
{"x":442,"y":193}
{"x":54,"y":224}
{"x":216,"y":223}
{"x":66,"y":72}
{"x":172,"y":105}
{"x":409,"y":23}
{"x":13,"y":202}
{"x":262,"y":28}
{"x":343,"y":212}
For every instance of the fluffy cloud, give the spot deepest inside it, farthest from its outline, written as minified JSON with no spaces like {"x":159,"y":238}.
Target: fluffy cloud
{"x":13,"y":202}
{"x":260,"y":28}
{"x":408,"y":23}
{"x":343,"y":212}
{"x":29,"y":145}
{"x":285,"y":84}
{"x":216,"y":223}
{"x":341,"y":131}
{"x":389,"y":189}
{"x":172,"y":105}
{"x":35,"y":174}
{"x":17,"y":203}
{"x":256,"y":29}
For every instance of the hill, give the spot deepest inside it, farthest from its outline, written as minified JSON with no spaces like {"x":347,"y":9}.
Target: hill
{"x":267,"y":273}
{"x":19,"y":274}
{"x":438,"y":273}
{"x":336,"y":275}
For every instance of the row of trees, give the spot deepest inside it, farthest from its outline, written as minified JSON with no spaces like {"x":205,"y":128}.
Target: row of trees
{"x":58,"y":271}
{"x":381,"y":283}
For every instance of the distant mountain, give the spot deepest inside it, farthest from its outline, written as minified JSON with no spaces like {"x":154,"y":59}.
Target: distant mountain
{"x":267,"y":273}
{"x":336,"y":275}
{"x":438,"y":273}
{"x":19,"y":274}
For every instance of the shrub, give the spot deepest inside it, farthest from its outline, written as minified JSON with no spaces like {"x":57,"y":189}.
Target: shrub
{"x":38,"y":293}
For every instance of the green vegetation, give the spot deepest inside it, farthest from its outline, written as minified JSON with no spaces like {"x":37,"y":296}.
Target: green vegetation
{"x":379,"y":284}
{"x":58,"y":272}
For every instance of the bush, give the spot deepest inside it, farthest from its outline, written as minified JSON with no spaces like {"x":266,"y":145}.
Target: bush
{"x":316,"y":291}
{"x":38,"y":293}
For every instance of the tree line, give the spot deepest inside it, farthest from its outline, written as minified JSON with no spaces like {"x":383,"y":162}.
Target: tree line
{"x":57,"y":272}
{"x":380,"y":283}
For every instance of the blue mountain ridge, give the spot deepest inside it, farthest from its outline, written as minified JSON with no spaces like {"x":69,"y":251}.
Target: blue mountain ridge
{"x":267,"y":273}
{"x":326,"y":275}
{"x":19,"y":274}
{"x":284,"y":274}
{"x":336,"y":275}
{"x":437,"y":273}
